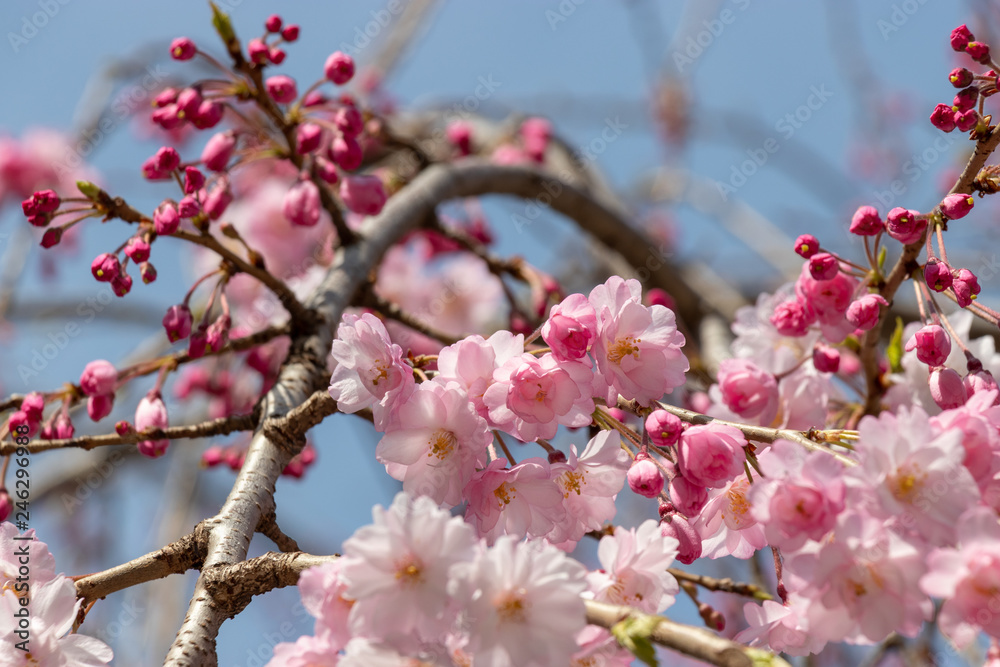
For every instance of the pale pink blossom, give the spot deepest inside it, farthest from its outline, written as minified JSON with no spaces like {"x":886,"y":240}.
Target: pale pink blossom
{"x":43,"y":564}
{"x":397,"y":570}
{"x":52,"y":611}
{"x":524,"y":500}
{"x":571,"y":327}
{"x":436,"y":443}
{"x":726,"y":524}
{"x":800,"y":495}
{"x":471,"y":362}
{"x":599,"y":648}
{"x":747,"y":390}
{"x":915,"y":469}
{"x":711,"y":454}
{"x":589,"y":486}
{"x":638,"y":348}
{"x":322,"y":590}
{"x":634,"y":566}
{"x":531,"y":396}
{"x":370,"y":370}
{"x":782,"y":628}
{"x":523,"y":605}
{"x":968,"y":579}
{"x":306,"y":651}
{"x":979,"y":422}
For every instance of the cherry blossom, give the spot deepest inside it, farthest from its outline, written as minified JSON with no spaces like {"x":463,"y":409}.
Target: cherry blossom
{"x":634,"y":566}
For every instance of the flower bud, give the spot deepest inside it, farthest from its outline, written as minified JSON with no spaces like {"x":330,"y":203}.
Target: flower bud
{"x":121,"y":284}
{"x":863,"y":312}
{"x":937,"y":275}
{"x":688,"y":497}
{"x":177,"y":322}
{"x":218,"y":333}
{"x":806,"y":245}
{"x":137,"y":248}
{"x":124,"y":428}
{"x":64,"y":427}
{"x":826,"y":359}
{"x":281,"y":88}
{"x":327,"y":171}
{"x":147,"y":272}
{"x":20,"y":420}
{"x":105,"y":267}
{"x":188,"y":207}
{"x":965,"y":99}
{"x":946,"y":388}
{"x":347,"y":153}
{"x":188,"y":101}
{"x":459,"y":133}
{"x":866,"y":221}
{"x":966,"y":287}
{"x":290,"y":33}
{"x":218,"y":150}
{"x":339,"y":68}
{"x":307,"y":138}
{"x":198,"y":342}
{"x":644,"y":478}
{"x":966,"y":120}
{"x":688,"y":539}
{"x":273,"y":23}
{"x":363,"y":194}
{"x":166,"y":220}
{"x":979,"y":52}
{"x":793,"y":318}
{"x":51,"y":237}
{"x":182,"y":48}
{"x":943,"y":118}
{"x":218,"y":200}
{"x":823,"y":266}
{"x":100,"y":406}
{"x":258,"y":51}
{"x":348,"y":120}
{"x":664,"y":428}
{"x":904,"y":225}
{"x":960,"y":77}
{"x":151,"y":414}
{"x":301,"y":205}
{"x":956,"y":206}
{"x":98,"y":377}
{"x":748,"y":390}
{"x":932,"y":345}
{"x":33,"y":405}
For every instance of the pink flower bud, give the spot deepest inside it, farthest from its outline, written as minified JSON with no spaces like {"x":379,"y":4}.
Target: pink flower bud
{"x":866,"y":221}
{"x":946,"y":388}
{"x":6,"y":504}
{"x":212,"y":457}
{"x":904,"y":225}
{"x":258,"y":51}
{"x":51,"y":237}
{"x":162,"y":164}
{"x":40,"y":219}
{"x":301,"y":205}
{"x":823,"y":266}
{"x":960,"y":38}
{"x":932,"y":345}
{"x":20,"y":419}
{"x":535,"y":135}
{"x":571,"y":327}
{"x":198,"y":342}
{"x":273,"y":23}
{"x":806,"y":245}
{"x":618,"y":414}
{"x":978,"y":381}
{"x":826,"y":359}
{"x":966,"y":120}
{"x":363,"y":194}
{"x":124,"y":428}
{"x":281,"y":88}
{"x":218,"y":150}
{"x":347,"y":153}
{"x":182,"y":48}
{"x":218,"y":333}
{"x":98,"y":377}
{"x":307,"y":138}
{"x":121,"y":284}
{"x":188,"y":207}
{"x":165,"y":97}
{"x":966,"y":287}
{"x":979,"y":52}
{"x":459,"y":133}
{"x":194,"y":180}
{"x":277,"y":55}
{"x":657,"y":297}
{"x":965,"y":99}
{"x":168,"y":117}
{"x":327,"y":171}
{"x":147,"y":272}
{"x":711,"y":455}
{"x":290,"y":33}
{"x":100,"y":406}
{"x":960,"y":77}
{"x":664,"y":428}
{"x":177,"y":322}
{"x":689,"y":541}
{"x":33,"y":405}
{"x":747,"y":390}
{"x":644,"y":478}
{"x":863,"y":313}
{"x":137,"y":248}
{"x":188,"y":101}
{"x":937,"y":274}
{"x":208,"y":115}
{"x":793,"y":318}
{"x":348,"y":120}
{"x":218,"y":200}
{"x":151,"y":414}
{"x":64,"y":427}
{"x":166,"y":220}
{"x":105,"y":267}
{"x":943,"y":118}
{"x":339,"y":68}
{"x":43,"y":201}
{"x":688,"y":497}
{"x":957,"y":205}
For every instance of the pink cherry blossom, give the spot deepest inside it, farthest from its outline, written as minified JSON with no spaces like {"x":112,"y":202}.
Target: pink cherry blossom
{"x":397,"y":570}
{"x":306,"y":651}
{"x":370,"y":371}
{"x":978,"y":422}
{"x":864,"y":312}
{"x":436,"y":444}
{"x":531,"y":396}
{"x":932,"y":343}
{"x":589,"y":484}
{"x":634,"y":566}
{"x":747,"y":390}
{"x":800,"y":496}
{"x":711,"y":454}
{"x":571,"y":327}
{"x":471,"y":362}
{"x":322,"y":590}
{"x":524,"y":500}
{"x":523,"y":604}
{"x":98,"y":377}
{"x":968,"y":578}
{"x":726,"y":524}
{"x":638,"y":348}
{"x":783,"y":627}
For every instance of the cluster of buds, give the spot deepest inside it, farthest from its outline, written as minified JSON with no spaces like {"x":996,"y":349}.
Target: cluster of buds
{"x":962,"y":113}
{"x":261,"y":52}
{"x":234,"y":456}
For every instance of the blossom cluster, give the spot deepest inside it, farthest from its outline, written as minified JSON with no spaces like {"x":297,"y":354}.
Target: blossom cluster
{"x":418,"y":583}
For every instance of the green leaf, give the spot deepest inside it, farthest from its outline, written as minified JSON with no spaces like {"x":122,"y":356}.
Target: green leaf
{"x":89,"y":190}
{"x":634,"y":635}
{"x":881,"y":259}
{"x":222,"y":25}
{"x":895,"y":351}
